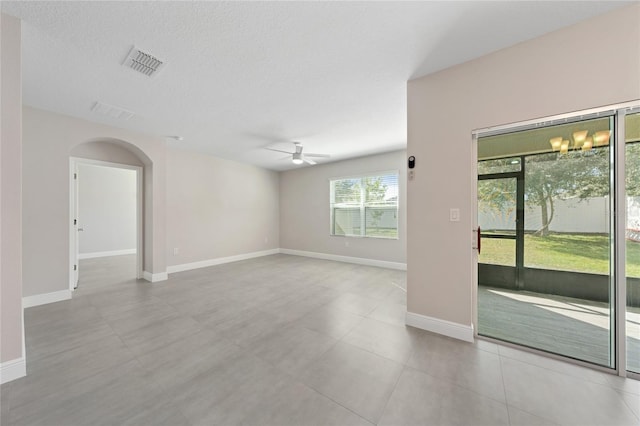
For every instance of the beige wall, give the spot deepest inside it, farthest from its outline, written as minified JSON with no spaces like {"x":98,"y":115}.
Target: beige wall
{"x":11,"y":332}
{"x":218,"y":208}
{"x":305,"y":216}
{"x":594,"y":63}
{"x":106,"y":150}
{"x":49,"y":140}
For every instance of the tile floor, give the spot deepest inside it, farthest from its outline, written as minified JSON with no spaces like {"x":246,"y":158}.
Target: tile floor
{"x":281,"y":340}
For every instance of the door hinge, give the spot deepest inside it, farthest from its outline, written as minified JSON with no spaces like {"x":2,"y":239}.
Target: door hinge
{"x":75,"y":267}
{"x":75,"y":176}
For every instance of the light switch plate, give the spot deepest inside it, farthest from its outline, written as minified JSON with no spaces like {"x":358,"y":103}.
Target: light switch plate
{"x":454,"y":215}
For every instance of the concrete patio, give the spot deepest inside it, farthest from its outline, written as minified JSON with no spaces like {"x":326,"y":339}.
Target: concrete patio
{"x":572,"y":327}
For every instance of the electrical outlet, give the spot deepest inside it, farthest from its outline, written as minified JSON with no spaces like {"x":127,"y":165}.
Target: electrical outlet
{"x":175,"y":251}
{"x":412,"y":174}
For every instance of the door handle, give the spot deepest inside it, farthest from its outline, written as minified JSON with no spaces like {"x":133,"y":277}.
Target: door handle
{"x":478,"y":241}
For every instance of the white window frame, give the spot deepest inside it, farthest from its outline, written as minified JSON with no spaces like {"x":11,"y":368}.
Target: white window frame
{"x":362,"y":206}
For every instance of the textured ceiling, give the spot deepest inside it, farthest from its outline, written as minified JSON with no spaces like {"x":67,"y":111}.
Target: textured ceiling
{"x":239,"y":76}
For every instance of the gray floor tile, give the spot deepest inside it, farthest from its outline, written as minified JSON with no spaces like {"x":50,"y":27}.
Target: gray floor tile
{"x":562,"y":398}
{"x":392,"y":313}
{"x":255,"y":342}
{"x":293,"y":348}
{"x":624,"y":384}
{"x":421,"y":399}
{"x":141,"y":317}
{"x":38,"y":400}
{"x":230,"y":392}
{"x":633,"y":402}
{"x":297,"y":404}
{"x":159,"y":334}
{"x":459,"y":362}
{"x":390,"y":341}
{"x":355,"y":304}
{"x":330,"y":321}
{"x":518,"y":417}
{"x":354,"y":378}
{"x":555,"y":365}
{"x":246,"y":329}
{"x":183,"y":360}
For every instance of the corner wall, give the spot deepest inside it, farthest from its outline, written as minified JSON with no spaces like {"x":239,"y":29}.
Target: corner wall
{"x":305,"y":216}
{"x":590,"y":64}
{"x":218,"y":210}
{"x":12,"y":357}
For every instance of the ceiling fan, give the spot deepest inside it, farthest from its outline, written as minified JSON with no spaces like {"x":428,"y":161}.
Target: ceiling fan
{"x":298,"y":157}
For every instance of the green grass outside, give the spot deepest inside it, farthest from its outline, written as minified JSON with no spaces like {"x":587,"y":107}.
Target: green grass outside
{"x":566,"y":252}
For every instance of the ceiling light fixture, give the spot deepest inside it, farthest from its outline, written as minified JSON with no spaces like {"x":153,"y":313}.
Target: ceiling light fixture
{"x":556,"y":143}
{"x":602,"y":137}
{"x":297,"y":158}
{"x":579,"y":137}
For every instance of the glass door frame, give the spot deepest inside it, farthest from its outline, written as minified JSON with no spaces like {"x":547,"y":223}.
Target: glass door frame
{"x":519,"y":225}
{"x":618,"y":214}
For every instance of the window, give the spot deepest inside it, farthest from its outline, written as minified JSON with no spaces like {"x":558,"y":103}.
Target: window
{"x":365,"y":206}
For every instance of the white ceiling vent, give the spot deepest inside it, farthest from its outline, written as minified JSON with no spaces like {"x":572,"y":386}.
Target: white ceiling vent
{"x":142,"y":62}
{"x":112,"y":111}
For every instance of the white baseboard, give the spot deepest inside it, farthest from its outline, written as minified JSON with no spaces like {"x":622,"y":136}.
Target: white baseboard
{"x":11,"y":370}
{"x":447,"y":328}
{"x":219,"y":261}
{"x":106,"y":253}
{"x":45,"y":298}
{"x":154,"y":278}
{"x":347,"y":259}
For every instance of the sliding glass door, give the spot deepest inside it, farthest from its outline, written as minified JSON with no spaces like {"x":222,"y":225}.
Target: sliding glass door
{"x":632,"y":236}
{"x":545,"y":275}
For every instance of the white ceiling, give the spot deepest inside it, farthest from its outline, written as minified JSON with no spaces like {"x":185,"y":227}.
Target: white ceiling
{"x":239,"y":76}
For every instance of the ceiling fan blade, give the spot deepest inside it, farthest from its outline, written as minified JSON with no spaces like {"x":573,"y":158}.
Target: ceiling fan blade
{"x":306,"y":160}
{"x":278,"y":150}
{"x":317,"y":155}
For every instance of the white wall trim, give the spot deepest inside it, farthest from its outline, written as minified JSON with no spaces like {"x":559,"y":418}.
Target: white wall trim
{"x":14,"y":369}
{"x":347,"y":259}
{"x":220,"y":260}
{"x":106,"y":253}
{"x":154,"y":278}
{"x":45,"y":298}
{"x":436,"y":325}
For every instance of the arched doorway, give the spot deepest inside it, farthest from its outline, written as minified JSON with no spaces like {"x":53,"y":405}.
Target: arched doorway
{"x":111,"y":160}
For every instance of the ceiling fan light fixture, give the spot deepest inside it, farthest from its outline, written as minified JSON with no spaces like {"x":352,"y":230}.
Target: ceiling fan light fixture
{"x":297,"y":158}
